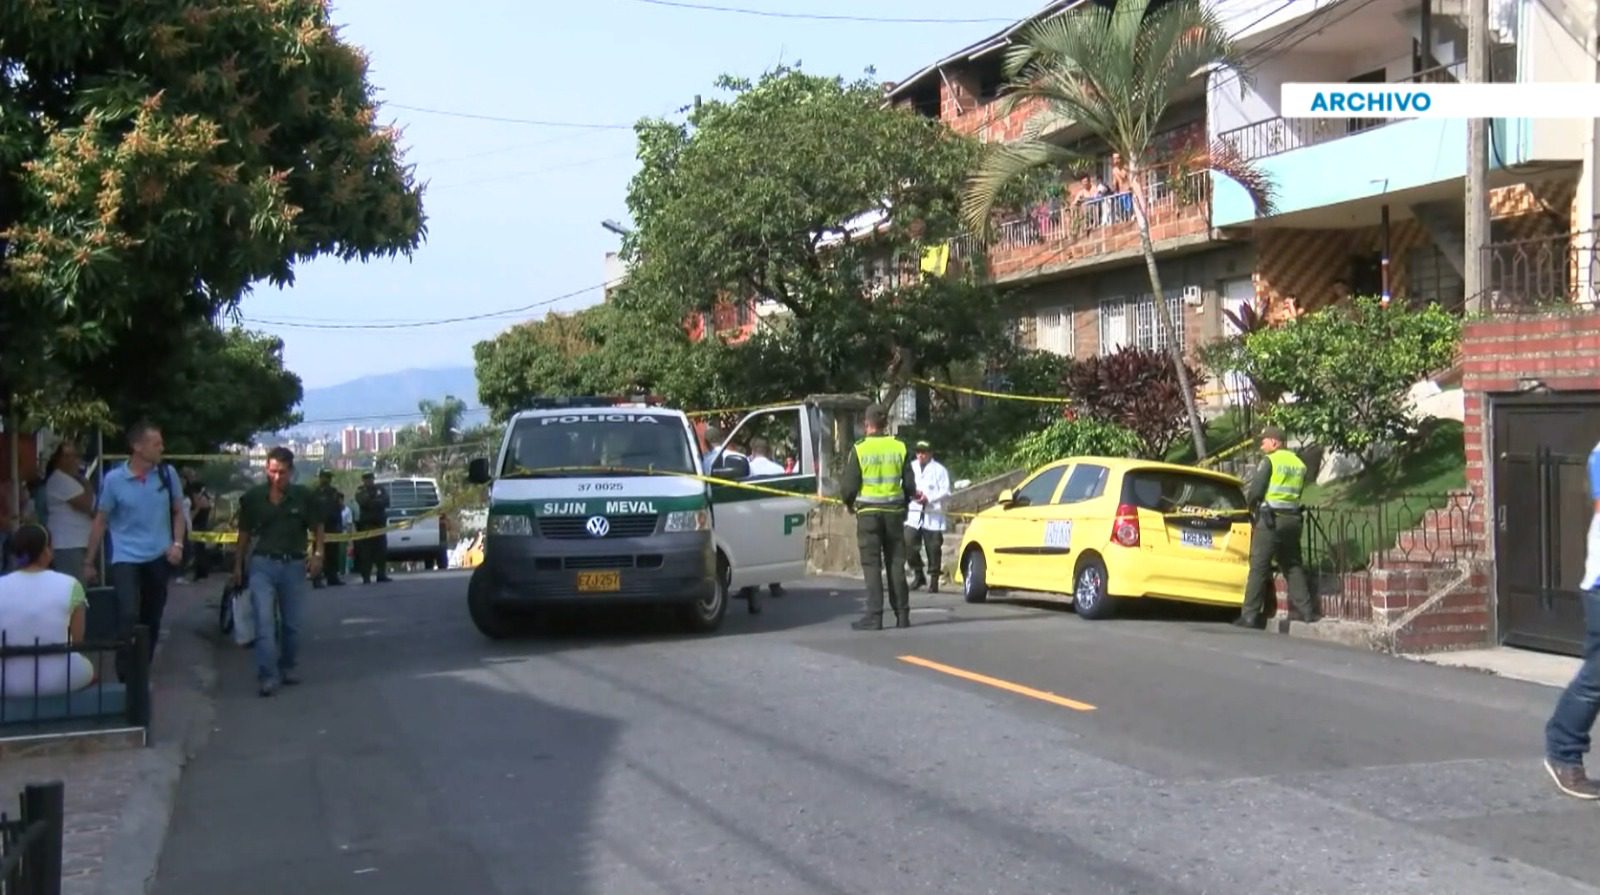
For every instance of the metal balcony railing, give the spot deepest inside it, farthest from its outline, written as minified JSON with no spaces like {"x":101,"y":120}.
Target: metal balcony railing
{"x":1531,"y":275}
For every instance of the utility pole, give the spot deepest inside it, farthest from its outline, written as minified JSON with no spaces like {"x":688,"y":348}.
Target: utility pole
{"x":1478,"y":129}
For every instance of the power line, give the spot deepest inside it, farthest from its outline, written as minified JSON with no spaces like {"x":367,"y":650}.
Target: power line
{"x":1280,"y":44}
{"x":536,"y":122}
{"x":822,"y":17}
{"x":416,"y":324}
{"x":515,"y":175}
{"x":380,"y":417}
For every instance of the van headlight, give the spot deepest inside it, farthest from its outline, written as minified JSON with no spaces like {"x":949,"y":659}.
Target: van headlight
{"x":688,"y":520}
{"x":510,"y":524}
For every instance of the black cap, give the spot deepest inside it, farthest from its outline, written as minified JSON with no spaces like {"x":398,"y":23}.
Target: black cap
{"x":326,"y":473}
{"x":367,"y":475}
{"x":1272,"y":432}
{"x":924,"y":447}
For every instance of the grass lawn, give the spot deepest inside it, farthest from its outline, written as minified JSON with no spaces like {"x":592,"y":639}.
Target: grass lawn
{"x":1360,"y":516}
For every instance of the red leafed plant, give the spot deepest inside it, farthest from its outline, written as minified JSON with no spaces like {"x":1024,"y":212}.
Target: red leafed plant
{"x":1136,"y":388}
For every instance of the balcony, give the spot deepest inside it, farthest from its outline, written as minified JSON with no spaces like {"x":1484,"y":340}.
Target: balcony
{"x":1263,"y":139}
{"x":1547,"y":273}
{"x":1055,"y":239}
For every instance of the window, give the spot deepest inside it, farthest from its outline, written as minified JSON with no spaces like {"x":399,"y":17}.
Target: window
{"x":1041,"y":488}
{"x":1088,"y":481}
{"x":620,"y":440}
{"x":1434,"y":280}
{"x":771,"y":441}
{"x":1054,"y":333}
{"x":1132,"y":321}
{"x":411,"y":494}
{"x":1172,"y":492}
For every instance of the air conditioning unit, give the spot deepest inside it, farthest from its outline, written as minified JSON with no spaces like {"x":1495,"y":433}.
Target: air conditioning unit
{"x":1192,"y":295}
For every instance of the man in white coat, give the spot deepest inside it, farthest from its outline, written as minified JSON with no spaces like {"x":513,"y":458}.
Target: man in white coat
{"x":925,"y":520}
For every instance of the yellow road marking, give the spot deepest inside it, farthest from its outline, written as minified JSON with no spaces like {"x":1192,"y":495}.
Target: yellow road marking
{"x":1019,"y":689}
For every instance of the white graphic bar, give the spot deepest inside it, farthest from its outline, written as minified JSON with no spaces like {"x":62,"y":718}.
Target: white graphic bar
{"x":1536,"y":100}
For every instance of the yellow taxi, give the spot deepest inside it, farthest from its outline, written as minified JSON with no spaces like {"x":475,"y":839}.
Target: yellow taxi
{"x":1104,"y":529}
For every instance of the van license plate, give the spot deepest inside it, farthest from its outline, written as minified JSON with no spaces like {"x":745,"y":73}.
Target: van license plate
{"x":1197,"y":539}
{"x":599,"y":582}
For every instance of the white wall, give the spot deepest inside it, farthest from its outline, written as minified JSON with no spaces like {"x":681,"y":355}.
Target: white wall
{"x":1244,"y":18}
{"x":1552,"y":35}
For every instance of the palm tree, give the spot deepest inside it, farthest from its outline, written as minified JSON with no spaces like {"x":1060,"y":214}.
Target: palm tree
{"x":1115,"y":72}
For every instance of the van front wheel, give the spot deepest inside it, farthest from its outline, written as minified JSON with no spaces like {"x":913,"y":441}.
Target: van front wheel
{"x":705,"y":614}
{"x":491,"y":621}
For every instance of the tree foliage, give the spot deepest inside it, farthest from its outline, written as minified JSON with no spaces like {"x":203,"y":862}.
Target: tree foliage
{"x":1115,"y":70}
{"x":1080,"y":437}
{"x":158,"y":158}
{"x":1137,"y":389}
{"x":806,"y":191}
{"x":1346,"y":370}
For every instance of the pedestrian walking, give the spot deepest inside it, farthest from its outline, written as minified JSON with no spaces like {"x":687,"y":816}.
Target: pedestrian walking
{"x":1566,"y":736}
{"x":200,"y":507}
{"x":878,"y":486}
{"x":925,"y":519}
{"x":372,"y":514}
{"x":141,"y":506}
{"x":331,"y":500}
{"x":1273,"y":494}
{"x":276,"y":522}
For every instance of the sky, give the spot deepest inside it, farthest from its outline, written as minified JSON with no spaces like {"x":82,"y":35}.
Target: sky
{"x":515,"y":210}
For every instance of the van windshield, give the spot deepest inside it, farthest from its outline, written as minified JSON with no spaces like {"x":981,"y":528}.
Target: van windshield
{"x":597,"y":444}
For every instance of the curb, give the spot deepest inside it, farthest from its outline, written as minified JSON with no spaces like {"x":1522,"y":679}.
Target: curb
{"x":184,"y":708}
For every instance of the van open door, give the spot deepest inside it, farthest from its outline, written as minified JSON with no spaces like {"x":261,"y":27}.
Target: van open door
{"x":764,"y":534}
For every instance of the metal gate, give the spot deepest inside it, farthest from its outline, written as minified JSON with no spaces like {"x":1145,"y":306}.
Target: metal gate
{"x":1542,"y":509}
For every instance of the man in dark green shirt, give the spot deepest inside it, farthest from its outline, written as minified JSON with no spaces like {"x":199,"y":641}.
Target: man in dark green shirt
{"x":276,"y":522}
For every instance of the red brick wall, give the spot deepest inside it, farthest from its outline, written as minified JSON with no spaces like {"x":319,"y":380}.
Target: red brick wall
{"x":1562,"y":352}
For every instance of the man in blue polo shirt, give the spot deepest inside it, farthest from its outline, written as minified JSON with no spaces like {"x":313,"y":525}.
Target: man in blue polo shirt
{"x":1567,"y":734}
{"x":141,"y":504}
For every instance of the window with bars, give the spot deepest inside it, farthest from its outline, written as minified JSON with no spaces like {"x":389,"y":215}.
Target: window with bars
{"x":1434,"y":280}
{"x":1132,"y":321}
{"x":1053,"y":331}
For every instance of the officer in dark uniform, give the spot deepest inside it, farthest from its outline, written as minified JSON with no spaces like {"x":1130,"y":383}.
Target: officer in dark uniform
{"x":331,"y":500}
{"x":1273,"y":494}
{"x":372,"y":507}
{"x":878,"y":486}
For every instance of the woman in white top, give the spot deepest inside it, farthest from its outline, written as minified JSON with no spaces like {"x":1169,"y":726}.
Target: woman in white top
{"x":69,"y":509}
{"x":41,"y":607}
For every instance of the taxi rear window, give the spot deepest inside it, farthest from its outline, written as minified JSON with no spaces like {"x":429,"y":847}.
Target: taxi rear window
{"x":1170,"y":491}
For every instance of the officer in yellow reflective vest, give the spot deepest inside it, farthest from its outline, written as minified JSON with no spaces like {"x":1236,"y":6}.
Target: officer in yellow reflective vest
{"x":878,"y":487}
{"x":1273,"y":494}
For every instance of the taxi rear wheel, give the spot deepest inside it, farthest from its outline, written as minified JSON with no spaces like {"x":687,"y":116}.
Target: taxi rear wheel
{"x":1091,"y":597}
{"x":974,"y":577}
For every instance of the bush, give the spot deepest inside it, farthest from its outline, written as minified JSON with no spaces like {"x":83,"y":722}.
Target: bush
{"x":1136,"y":389}
{"x":1072,"y":438}
{"x":1348,"y":369}
{"x":990,"y":431}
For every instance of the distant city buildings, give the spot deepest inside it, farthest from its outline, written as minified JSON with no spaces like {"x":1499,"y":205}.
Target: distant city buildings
{"x":366,"y":441}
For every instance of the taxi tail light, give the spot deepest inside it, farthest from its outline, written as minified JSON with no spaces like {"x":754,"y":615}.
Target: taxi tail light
{"x":1125,"y":530}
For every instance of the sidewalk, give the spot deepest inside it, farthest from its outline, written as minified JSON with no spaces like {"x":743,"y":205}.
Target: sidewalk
{"x":1518,"y":664}
{"x":119,"y":801}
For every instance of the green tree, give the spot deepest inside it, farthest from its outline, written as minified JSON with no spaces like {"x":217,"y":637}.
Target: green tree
{"x":1115,"y":72}
{"x":808,"y":192}
{"x":1347,"y":370}
{"x":158,"y":158}
{"x":221,"y":387}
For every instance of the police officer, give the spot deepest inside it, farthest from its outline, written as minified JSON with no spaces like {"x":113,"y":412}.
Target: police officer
{"x":330,"y":499}
{"x":372,"y":507}
{"x":878,"y":486}
{"x":1273,"y":494}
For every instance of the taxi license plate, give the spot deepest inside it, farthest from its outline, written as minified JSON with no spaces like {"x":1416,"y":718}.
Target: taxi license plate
{"x":1197,"y":539}
{"x":599,"y":582}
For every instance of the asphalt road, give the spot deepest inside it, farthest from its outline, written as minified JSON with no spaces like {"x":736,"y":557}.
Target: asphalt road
{"x":1167,"y":753}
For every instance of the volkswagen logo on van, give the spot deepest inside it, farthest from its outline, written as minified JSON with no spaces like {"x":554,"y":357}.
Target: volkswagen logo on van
{"x":598,"y":526}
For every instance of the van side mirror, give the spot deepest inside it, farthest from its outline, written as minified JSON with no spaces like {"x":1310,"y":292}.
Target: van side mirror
{"x":731,"y":467}
{"x":478,"y":471}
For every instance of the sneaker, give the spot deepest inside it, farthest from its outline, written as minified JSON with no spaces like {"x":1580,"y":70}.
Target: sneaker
{"x":268,"y":688}
{"x":1571,"y":780}
{"x":870,"y":623}
{"x":290,"y":679}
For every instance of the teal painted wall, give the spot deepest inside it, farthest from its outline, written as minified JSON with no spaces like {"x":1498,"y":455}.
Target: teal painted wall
{"x":1409,"y":154}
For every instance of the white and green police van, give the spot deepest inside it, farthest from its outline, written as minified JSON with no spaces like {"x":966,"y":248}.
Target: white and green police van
{"x":593,"y":501}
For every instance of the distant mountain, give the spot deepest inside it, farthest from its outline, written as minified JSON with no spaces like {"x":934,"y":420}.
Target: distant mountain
{"x":386,"y":399}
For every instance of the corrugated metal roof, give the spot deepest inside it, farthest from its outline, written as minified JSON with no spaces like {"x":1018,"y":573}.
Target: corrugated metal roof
{"x":983,"y":47}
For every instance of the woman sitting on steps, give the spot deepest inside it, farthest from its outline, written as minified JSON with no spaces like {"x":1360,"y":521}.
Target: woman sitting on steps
{"x":41,"y":607}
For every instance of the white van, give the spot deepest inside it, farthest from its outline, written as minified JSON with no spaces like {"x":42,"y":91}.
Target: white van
{"x":424,"y":542}
{"x":649,"y":533}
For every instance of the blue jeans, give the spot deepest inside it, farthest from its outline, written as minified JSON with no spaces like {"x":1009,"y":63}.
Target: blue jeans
{"x":277,"y":591}
{"x":1566,"y":737}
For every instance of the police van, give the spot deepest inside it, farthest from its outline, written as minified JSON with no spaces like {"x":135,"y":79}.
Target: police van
{"x":602,"y":500}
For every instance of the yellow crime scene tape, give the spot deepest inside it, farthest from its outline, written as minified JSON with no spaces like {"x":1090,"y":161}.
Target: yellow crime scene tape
{"x":947,"y":387}
{"x":232,"y":537}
